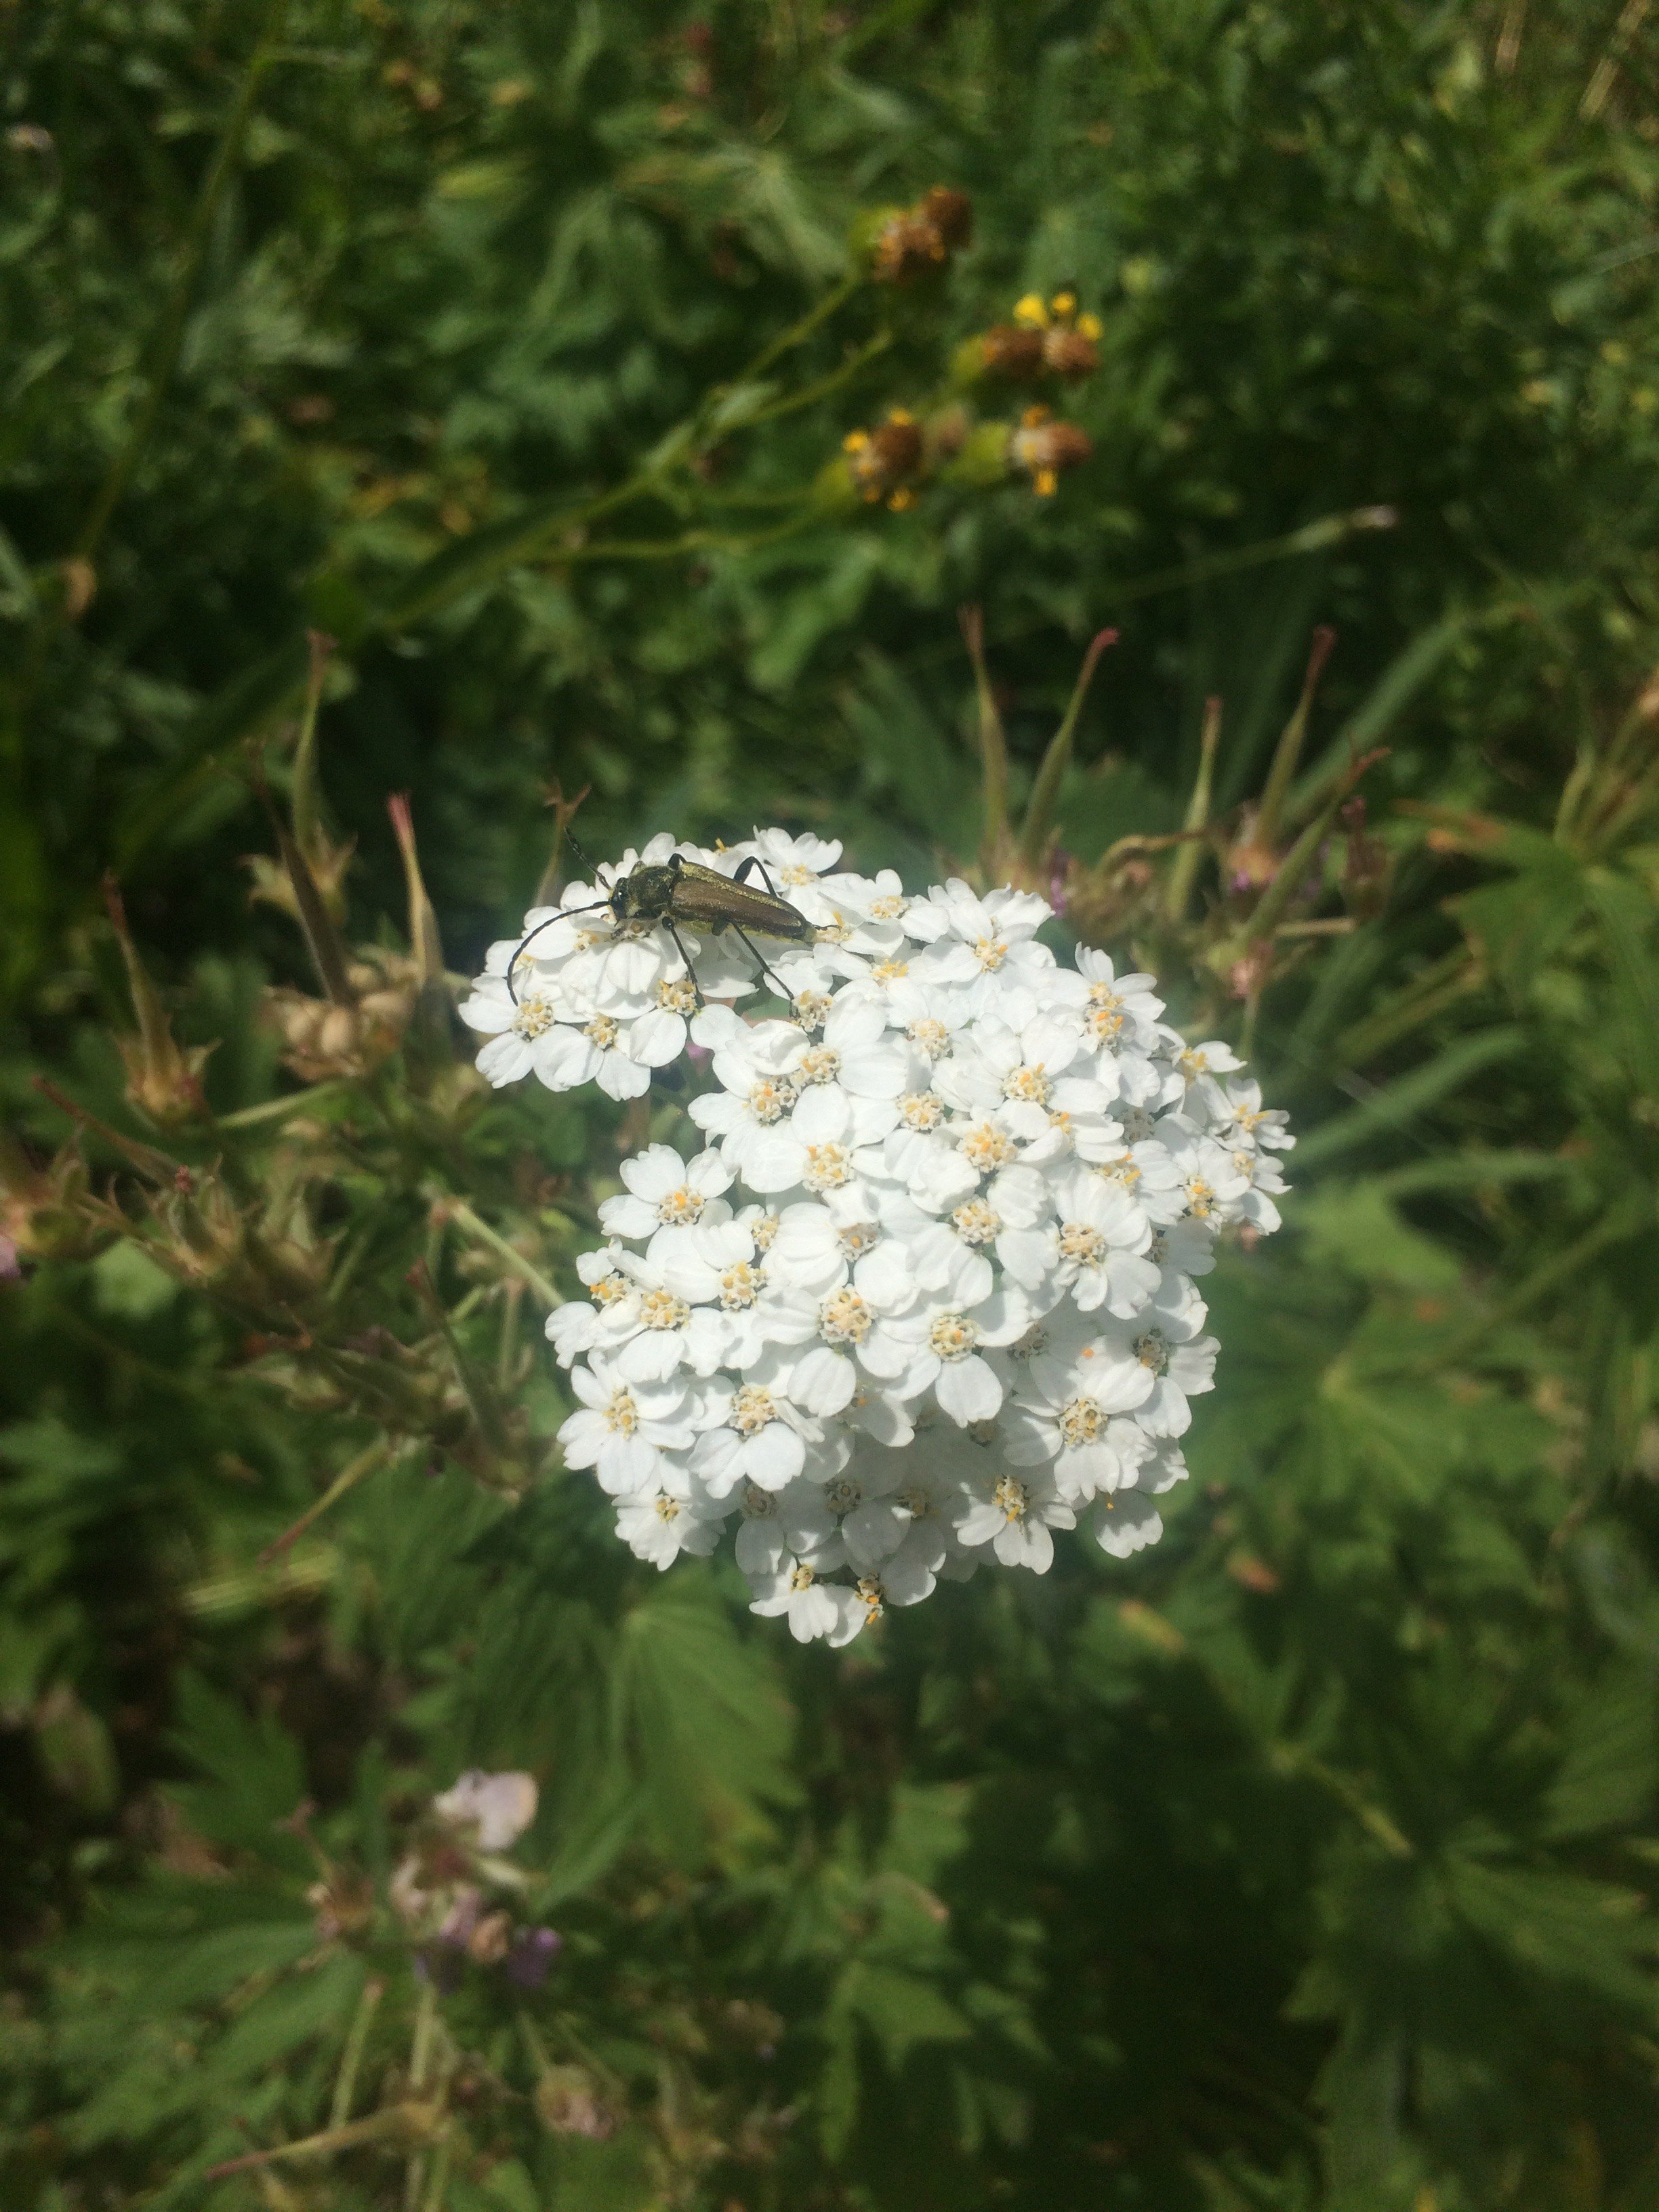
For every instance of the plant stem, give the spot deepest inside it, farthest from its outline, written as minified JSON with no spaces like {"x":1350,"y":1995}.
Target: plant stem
{"x":1045,"y":792}
{"x":457,"y":1211}
{"x":1184,"y":873}
{"x":992,"y":744}
{"x":348,"y":1478}
{"x":273,"y":1109}
{"x":1288,"y":751}
{"x":339,"y":2111}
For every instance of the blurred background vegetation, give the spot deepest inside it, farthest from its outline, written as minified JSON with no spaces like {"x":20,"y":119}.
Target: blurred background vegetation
{"x":1306,"y":1862}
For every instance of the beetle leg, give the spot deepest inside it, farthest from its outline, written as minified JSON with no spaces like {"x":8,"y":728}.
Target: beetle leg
{"x":686,"y":957}
{"x":756,"y":861}
{"x":564,"y":915}
{"x":788,"y":997}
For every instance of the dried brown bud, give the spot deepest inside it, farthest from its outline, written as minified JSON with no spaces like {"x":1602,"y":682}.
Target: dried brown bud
{"x":923,"y":237}
{"x":1069,"y":353}
{"x":884,"y":463}
{"x":490,"y":1939}
{"x":343,"y":1905}
{"x":951,"y":215}
{"x":1044,"y":447}
{"x":1010,"y":349}
{"x":569,"y":2102}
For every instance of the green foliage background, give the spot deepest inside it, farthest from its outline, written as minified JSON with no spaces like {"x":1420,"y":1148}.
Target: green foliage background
{"x":1305,"y":1861}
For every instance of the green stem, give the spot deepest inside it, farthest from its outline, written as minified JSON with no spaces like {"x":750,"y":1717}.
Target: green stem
{"x":348,"y":1478}
{"x":274,"y":1109}
{"x":461,"y":1214}
{"x":992,"y":744}
{"x":306,"y":825}
{"x":1045,"y":792}
{"x":1179,"y":893}
{"x":339,"y":2111}
{"x":1288,"y":751}
{"x":420,"y":2062}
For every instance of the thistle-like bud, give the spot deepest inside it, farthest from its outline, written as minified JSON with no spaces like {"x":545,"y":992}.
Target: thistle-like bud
{"x":163,"y":1083}
{"x":1045,"y":446}
{"x":45,"y":1211}
{"x":326,"y":860}
{"x":323,"y":1039}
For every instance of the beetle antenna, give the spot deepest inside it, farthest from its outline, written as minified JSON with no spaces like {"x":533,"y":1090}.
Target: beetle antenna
{"x":564,"y":915}
{"x":575,"y":843}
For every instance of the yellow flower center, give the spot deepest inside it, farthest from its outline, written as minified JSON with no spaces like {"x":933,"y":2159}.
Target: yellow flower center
{"x":668,"y":1509}
{"x":1200,"y":1198}
{"x":888,"y":908}
{"x":1028,"y":1084}
{"x":977,"y":1223}
{"x":871,"y":1593}
{"x":857,"y":1239}
{"x":1152,"y":1350}
{"x":771,"y":1098}
{"x":930,"y":1037}
{"x":1079,"y":1243}
{"x":844,"y":1318}
{"x":820,"y":1063}
{"x":986,"y":1147}
{"x":1011,"y":1495}
{"x":811,"y":1009}
{"x":1123,"y":1169}
{"x":801,"y":1576}
{"x":889,"y":971}
{"x":759,"y":1505}
{"x":921,"y":1109}
{"x":601,"y":1031}
{"x":953,"y":1336}
{"x":1081,"y":1421}
{"x":534,"y":1018}
{"x":662,"y":1309}
{"x":764,"y":1231}
{"x":990,"y":952}
{"x":608,"y":1289}
{"x":841,"y":1495}
{"x":678,"y":996}
{"x":680,"y":1206}
{"x":752,"y":1409}
{"x":828,"y":1166}
{"x":621,"y":1415}
{"x":740,"y":1285}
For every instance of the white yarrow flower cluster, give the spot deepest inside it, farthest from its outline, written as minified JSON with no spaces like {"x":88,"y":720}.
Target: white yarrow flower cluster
{"x":928,"y":1292}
